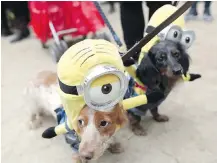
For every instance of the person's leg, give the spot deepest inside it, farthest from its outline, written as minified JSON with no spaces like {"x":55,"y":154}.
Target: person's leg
{"x":112,"y":7}
{"x":207,"y":4}
{"x":207,"y":14}
{"x":5,"y":30}
{"x":133,"y":23}
{"x":192,"y":14}
{"x":154,"y":5}
{"x":21,"y":12}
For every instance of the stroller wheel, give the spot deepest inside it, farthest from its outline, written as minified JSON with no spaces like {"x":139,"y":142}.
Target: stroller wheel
{"x":58,"y":50}
{"x":63,"y":46}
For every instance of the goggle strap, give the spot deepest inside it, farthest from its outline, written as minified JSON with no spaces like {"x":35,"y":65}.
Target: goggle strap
{"x":68,"y":89}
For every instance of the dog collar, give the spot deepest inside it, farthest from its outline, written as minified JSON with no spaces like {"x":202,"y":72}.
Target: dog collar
{"x":140,"y":86}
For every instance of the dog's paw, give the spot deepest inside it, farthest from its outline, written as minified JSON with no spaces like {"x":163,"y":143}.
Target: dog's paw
{"x":195,"y":76}
{"x":116,"y":148}
{"x":161,"y":118}
{"x":138,"y":130}
{"x":77,"y":159}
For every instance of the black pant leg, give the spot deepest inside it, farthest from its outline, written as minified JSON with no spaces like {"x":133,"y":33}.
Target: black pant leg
{"x":4,"y":21}
{"x":132,"y":21}
{"x":21,"y":11}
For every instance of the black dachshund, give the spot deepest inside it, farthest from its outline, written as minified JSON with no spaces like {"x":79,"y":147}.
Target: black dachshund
{"x":160,"y":69}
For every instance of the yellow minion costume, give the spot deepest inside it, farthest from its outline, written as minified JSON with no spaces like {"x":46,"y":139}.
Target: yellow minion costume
{"x":174,"y":32}
{"x":91,"y":73}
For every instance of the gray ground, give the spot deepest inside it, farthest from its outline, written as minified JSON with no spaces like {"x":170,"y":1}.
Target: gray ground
{"x":189,"y":137}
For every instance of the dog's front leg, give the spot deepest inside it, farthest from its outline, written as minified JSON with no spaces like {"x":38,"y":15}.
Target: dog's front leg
{"x":158,"y":117}
{"x":135,"y":125}
{"x":77,"y":159}
{"x":115,"y":146}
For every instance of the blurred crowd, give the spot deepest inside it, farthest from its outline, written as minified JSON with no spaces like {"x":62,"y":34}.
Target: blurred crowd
{"x":193,"y":13}
{"x":15,"y":18}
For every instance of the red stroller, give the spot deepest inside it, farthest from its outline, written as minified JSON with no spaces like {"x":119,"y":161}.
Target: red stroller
{"x":55,"y":19}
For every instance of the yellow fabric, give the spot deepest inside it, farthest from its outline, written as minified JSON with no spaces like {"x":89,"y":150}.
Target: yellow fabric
{"x":187,"y":77}
{"x":60,"y":129}
{"x":76,"y":60}
{"x":157,"y":18}
{"x":134,"y":102}
{"x":131,"y":70}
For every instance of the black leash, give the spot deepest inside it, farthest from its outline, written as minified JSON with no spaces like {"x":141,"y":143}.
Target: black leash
{"x":114,"y":35}
{"x":137,"y":47}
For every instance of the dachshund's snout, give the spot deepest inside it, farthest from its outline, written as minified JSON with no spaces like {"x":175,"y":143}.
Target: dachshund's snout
{"x":177,"y":69}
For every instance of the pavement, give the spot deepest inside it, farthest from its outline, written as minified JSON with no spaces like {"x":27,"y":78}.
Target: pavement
{"x":189,"y":137}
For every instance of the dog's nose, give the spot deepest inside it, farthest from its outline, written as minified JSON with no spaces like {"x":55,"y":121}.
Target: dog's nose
{"x":177,"y":70}
{"x":87,"y":156}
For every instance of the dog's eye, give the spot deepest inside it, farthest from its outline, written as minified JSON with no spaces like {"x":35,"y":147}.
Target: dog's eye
{"x":103,"y":123}
{"x":176,"y":54}
{"x":81,"y":122}
{"x":161,"y":57}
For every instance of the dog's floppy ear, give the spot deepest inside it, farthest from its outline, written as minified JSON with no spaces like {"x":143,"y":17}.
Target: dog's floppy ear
{"x":146,"y":72}
{"x":121,"y":115}
{"x":184,"y":60}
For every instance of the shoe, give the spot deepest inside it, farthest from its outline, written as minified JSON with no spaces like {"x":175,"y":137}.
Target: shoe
{"x":192,"y":15}
{"x":207,"y":16}
{"x":21,"y":35}
{"x":5,"y":32}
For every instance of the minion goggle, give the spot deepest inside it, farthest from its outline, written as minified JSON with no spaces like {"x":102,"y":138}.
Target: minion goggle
{"x":103,"y":87}
{"x":176,"y":34}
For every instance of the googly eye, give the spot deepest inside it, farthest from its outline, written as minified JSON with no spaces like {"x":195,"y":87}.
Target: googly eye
{"x":174,"y":34}
{"x":105,"y":93}
{"x":106,"y":89}
{"x":104,"y":123}
{"x":187,"y":39}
